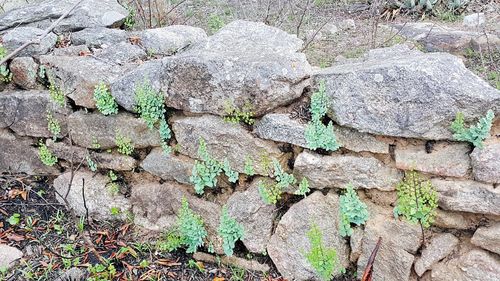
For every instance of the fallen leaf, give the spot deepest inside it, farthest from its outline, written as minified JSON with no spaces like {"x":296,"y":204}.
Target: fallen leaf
{"x":219,"y":279}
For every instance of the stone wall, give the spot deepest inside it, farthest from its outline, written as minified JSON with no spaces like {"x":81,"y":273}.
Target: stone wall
{"x":392,"y":111}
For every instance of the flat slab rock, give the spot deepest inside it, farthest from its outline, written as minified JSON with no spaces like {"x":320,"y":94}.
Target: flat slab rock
{"x":406,"y":93}
{"x":224,"y":140}
{"x":25,"y":113}
{"x":289,"y":241}
{"x":488,"y":237}
{"x":467,"y":196}
{"x":110,"y":13}
{"x":439,"y":247}
{"x":486,"y":162}
{"x":340,"y":170}
{"x":168,"y":166}
{"x":471,"y":266}
{"x":16,"y":37}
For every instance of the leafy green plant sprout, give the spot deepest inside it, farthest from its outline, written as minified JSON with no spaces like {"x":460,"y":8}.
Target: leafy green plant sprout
{"x":53,"y":125}
{"x":191,"y":228}
{"x":236,"y":115}
{"x":475,"y":134}
{"x":15,"y":219}
{"x":230,"y":231}
{"x":271,"y":192}
{"x":91,"y":164}
{"x":5,"y":74}
{"x":169,"y":242}
{"x":352,"y":211}
{"x":323,"y":259}
{"x":129,"y":22}
{"x":46,"y":155}
{"x":56,"y":94}
{"x":248,"y":169}
{"x":105,"y":102}
{"x":303,"y":188}
{"x":124,"y":144}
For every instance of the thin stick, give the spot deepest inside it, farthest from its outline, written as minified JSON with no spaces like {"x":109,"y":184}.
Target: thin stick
{"x":45,"y":33}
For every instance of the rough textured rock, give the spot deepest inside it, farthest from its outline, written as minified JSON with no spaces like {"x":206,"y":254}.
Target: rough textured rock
{"x":168,"y":167}
{"x":488,"y":238}
{"x":121,"y":53}
{"x":440,"y":246}
{"x":356,"y":141}
{"x":78,"y":76}
{"x":290,"y":241}
{"x":486,"y":162}
{"x":232,"y":261}
{"x":16,"y":37}
{"x":110,"y":13}
{"x":25,"y":112}
{"x":98,"y":199}
{"x":98,"y":37}
{"x":87,"y":127}
{"x":112,"y":161}
{"x":356,"y":241}
{"x":406,"y":93}
{"x":457,"y":220}
{"x":71,"y":51}
{"x":472,"y":266}
{"x":20,"y":156}
{"x":156,"y":208}
{"x":169,"y":40}
{"x":244,"y":62}
{"x":474,"y":20}
{"x":445,"y":159}
{"x":340,"y":170}
{"x":282,"y":128}
{"x":254,"y":215}
{"x":24,"y":72}
{"x":224,"y":140}
{"x":9,"y":255}
{"x":399,"y":241}
{"x":467,"y":196}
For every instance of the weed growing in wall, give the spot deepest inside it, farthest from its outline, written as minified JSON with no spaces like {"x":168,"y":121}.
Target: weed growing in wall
{"x":56,"y":94}
{"x":303,"y":188}
{"x":5,"y":74}
{"x":124,"y":144}
{"x":169,"y":242}
{"x":91,"y":163}
{"x":323,"y":259}
{"x":352,"y":211}
{"x":230,"y":231}
{"x":191,"y":228}
{"x":271,"y":192}
{"x":248,"y":169}
{"x":53,"y":125}
{"x":236,"y":115}
{"x":104,"y":101}
{"x":475,"y":134}
{"x":317,"y":134}
{"x":45,"y":155}
{"x":129,"y":22}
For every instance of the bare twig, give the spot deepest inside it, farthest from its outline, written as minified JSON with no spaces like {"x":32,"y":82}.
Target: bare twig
{"x":39,"y":38}
{"x":303,"y":15}
{"x":367,"y":274}
{"x":310,"y":40}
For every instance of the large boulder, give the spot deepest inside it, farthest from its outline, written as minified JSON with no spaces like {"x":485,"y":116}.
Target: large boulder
{"x":406,"y":93}
{"x":78,"y":76}
{"x":289,"y":243}
{"x":98,"y":201}
{"x":156,"y":207}
{"x":445,"y":159}
{"x":400,"y":240}
{"x":42,"y":15}
{"x":467,"y":196}
{"x":88,"y":128}
{"x":486,"y":162}
{"x":488,"y":237}
{"x":339,"y":170}
{"x":16,"y":37}
{"x":168,"y":166}
{"x":25,"y":113}
{"x":245,"y":62}
{"x":224,"y":140}
{"x":256,"y":217}
{"x":472,"y":266}
{"x":439,"y":247}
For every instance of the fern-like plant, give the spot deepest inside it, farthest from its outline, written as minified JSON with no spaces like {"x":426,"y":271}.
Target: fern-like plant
{"x":53,"y":125}
{"x":230,"y":231}
{"x":323,"y":259}
{"x":5,"y":74}
{"x":317,"y":134}
{"x":56,"y":94}
{"x":475,"y":134}
{"x":417,"y":200}
{"x":45,"y":155}
{"x":104,"y":101}
{"x":249,"y":170}
{"x":124,"y":144}
{"x":191,"y":228}
{"x":352,"y":211}
{"x":271,"y":192}
{"x":303,"y":188}
{"x":236,"y":115}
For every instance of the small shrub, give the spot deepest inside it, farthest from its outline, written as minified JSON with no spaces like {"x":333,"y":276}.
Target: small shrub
{"x":236,"y":115}
{"x":475,"y":134}
{"x":53,"y":125}
{"x":352,"y":211}
{"x":322,"y":259}
{"x":46,"y":155}
{"x":124,"y":144}
{"x":105,"y":102}
{"x":303,"y":188}
{"x":230,"y":231}
{"x":56,"y":94}
{"x":191,"y":228}
{"x":317,"y":134}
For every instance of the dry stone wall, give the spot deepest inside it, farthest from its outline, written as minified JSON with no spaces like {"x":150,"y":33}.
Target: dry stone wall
{"x":392,"y":112}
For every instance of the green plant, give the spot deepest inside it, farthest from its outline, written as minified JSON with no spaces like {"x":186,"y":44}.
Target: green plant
{"x":53,"y":125}
{"x":112,"y":176}
{"x":56,"y":94}
{"x":417,"y":200}
{"x":91,"y":164}
{"x":191,"y":228}
{"x":317,"y":134}
{"x":124,"y":144}
{"x":169,"y":241}
{"x":248,"y":169}
{"x":149,"y":104}
{"x":115,"y":211}
{"x":165,"y":135}
{"x":455,"y":5}
{"x":215,"y":23}
{"x":81,"y":224}
{"x":229,"y":172}
{"x":129,"y":22}
{"x":271,"y":192}
{"x":104,"y":101}
{"x":237,"y":274}
{"x":230,"y":231}
{"x":323,"y":259}
{"x":196,"y":265}
{"x":95,"y":143}
{"x":46,"y":155}
{"x":14,"y":219}
{"x":101,"y":272}
{"x":5,"y":74}
{"x":236,"y":115}
{"x":113,"y":188}
{"x":474,"y":134}
{"x":303,"y":188}
{"x":352,"y":211}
